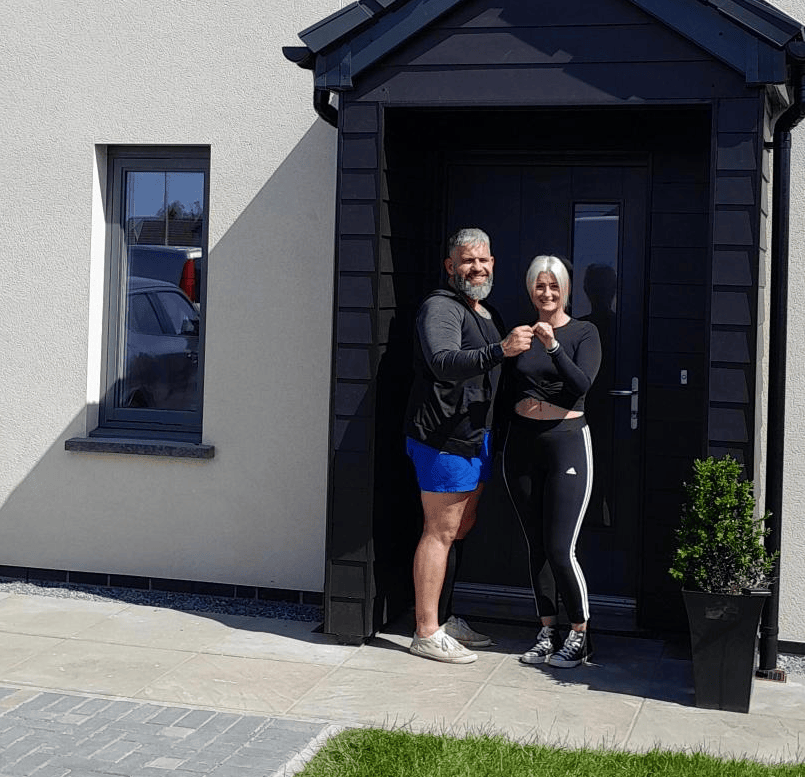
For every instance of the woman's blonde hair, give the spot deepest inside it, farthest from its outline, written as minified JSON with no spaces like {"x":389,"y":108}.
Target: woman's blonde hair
{"x":554,"y":266}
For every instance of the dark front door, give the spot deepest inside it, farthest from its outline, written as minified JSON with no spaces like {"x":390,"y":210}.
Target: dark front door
{"x":593,"y":213}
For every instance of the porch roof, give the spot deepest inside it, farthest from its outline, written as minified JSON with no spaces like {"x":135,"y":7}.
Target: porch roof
{"x":748,"y":35}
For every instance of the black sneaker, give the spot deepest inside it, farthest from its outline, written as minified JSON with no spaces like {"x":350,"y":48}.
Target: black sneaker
{"x":548,"y":642}
{"x":578,"y":647}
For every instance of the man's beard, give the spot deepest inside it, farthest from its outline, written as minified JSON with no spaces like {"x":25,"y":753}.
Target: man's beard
{"x":469,"y":289}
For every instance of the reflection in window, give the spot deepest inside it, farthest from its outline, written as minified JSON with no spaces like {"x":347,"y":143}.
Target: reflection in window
{"x":163,"y":226}
{"x":181,"y":318}
{"x":158,"y":201}
{"x":595,"y":259}
{"x":164,"y":208}
{"x":596,"y":253}
{"x":142,"y":316}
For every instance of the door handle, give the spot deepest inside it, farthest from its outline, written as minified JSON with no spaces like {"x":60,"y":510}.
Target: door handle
{"x":633,"y":392}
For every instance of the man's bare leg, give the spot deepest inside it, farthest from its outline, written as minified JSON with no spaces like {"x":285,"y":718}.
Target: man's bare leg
{"x":448,"y":516}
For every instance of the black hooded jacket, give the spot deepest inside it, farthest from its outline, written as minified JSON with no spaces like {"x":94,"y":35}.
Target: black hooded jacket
{"x":457,"y":358}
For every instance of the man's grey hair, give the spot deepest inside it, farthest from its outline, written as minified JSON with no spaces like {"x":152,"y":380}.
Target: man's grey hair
{"x":467,"y":237}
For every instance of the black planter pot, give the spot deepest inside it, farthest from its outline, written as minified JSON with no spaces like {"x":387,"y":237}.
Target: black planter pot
{"x":723,"y":640}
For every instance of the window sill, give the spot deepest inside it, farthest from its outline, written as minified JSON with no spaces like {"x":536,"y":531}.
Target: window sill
{"x":180,"y":450}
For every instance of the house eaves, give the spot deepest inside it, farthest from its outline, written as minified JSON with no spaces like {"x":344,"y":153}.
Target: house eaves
{"x":346,"y":22}
{"x":353,"y":40}
{"x":750,"y":36}
{"x":760,"y":19}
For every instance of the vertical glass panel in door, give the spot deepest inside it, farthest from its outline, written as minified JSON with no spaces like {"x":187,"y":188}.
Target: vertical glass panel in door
{"x":596,"y":252}
{"x":160,"y":308}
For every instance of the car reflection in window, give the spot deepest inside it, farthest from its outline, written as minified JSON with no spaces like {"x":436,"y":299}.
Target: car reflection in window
{"x":162,"y":347}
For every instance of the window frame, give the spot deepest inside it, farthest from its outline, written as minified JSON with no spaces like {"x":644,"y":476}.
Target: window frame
{"x":144,"y":423}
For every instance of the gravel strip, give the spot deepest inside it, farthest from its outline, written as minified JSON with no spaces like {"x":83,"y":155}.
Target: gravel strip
{"x":222,"y":605}
{"x":792,"y":664}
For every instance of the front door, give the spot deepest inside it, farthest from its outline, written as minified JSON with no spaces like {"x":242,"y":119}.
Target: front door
{"x":593,"y":213}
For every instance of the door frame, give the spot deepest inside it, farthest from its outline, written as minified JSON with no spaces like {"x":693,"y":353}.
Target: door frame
{"x":381,"y":273}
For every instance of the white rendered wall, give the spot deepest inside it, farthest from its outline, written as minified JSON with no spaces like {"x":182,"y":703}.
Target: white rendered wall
{"x":792,"y":570}
{"x":81,"y":74}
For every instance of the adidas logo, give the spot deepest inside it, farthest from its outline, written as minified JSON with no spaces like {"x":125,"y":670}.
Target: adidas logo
{"x":571,"y":471}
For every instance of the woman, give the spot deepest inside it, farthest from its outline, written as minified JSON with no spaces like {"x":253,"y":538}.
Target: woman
{"x":547,"y":459}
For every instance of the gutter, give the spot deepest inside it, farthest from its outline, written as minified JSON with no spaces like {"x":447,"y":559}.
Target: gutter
{"x":306,"y":59}
{"x":775,"y":441}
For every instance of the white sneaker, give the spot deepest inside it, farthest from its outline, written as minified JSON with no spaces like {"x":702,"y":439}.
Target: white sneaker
{"x":441,"y":647}
{"x":461,"y":632}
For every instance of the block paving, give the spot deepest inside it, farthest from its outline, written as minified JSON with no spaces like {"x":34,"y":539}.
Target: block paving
{"x":47,"y":734}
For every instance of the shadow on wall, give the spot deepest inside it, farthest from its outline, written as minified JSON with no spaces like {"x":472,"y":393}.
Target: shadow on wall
{"x":269,"y":317}
{"x":256,"y":513}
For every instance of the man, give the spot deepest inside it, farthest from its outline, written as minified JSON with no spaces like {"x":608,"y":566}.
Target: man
{"x":458,"y":354}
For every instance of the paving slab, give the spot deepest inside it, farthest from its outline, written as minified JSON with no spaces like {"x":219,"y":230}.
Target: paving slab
{"x":156,"y":627}
{"x":592,"y":719}
{"x":266,"y":686}
{"x":95,"y":667}
{"x":369,"y":697}
{"x":284,"y":640}
{"x":726,"y":734}
{"x":16,"y":648}
{"x":52,"y":616}
{"x":783,"y":700}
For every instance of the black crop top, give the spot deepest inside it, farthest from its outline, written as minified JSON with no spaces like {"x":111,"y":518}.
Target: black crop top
{"x":564,"y":376}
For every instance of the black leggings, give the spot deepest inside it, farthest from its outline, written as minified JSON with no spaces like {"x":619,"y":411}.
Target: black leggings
{"x":548,"y":470}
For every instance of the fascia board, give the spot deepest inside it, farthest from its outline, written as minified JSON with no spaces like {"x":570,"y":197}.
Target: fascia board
{"x":772,"y":29}
{"x":772,"y":65}
{"x":389,"y":32}
{"x":325,"y":32}
{"x":709,"y":29}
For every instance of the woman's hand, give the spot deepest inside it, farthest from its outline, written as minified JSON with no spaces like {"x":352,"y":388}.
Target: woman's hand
{"x":544,"y":332}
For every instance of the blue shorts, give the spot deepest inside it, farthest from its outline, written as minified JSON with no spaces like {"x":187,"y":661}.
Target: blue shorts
{"x":446,"y":472}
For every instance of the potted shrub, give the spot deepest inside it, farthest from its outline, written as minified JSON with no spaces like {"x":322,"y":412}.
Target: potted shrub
{"x":724,"y":567}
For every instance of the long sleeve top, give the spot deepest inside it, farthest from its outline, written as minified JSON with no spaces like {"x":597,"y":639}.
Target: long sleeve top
{"x":457,"y":358}
{"x":562,"y":376}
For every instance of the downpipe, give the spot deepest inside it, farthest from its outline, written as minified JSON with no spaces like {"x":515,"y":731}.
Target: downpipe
{"x":778,"y":323}
{"x":323,"y":106}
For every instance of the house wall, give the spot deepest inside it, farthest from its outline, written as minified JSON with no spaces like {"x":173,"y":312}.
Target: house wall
{"x":91,"y":73}
{"x":792,"y":570}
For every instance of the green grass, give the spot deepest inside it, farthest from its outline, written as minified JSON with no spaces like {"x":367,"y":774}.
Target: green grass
{"x":381,"y":753}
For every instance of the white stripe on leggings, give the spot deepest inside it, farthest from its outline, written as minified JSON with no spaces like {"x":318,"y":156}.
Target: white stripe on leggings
{"x":574,"y":562}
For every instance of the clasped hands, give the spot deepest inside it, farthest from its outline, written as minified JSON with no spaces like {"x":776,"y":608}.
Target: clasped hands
{"x":519,"y":339}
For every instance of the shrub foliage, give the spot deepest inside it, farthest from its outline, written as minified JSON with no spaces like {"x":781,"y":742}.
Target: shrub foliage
{"x":720,"y":542}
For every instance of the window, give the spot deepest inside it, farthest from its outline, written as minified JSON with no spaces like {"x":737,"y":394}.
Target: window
{"x":596,"y":264}
{"x":158,"y":213}
{"x":596,"y":250}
